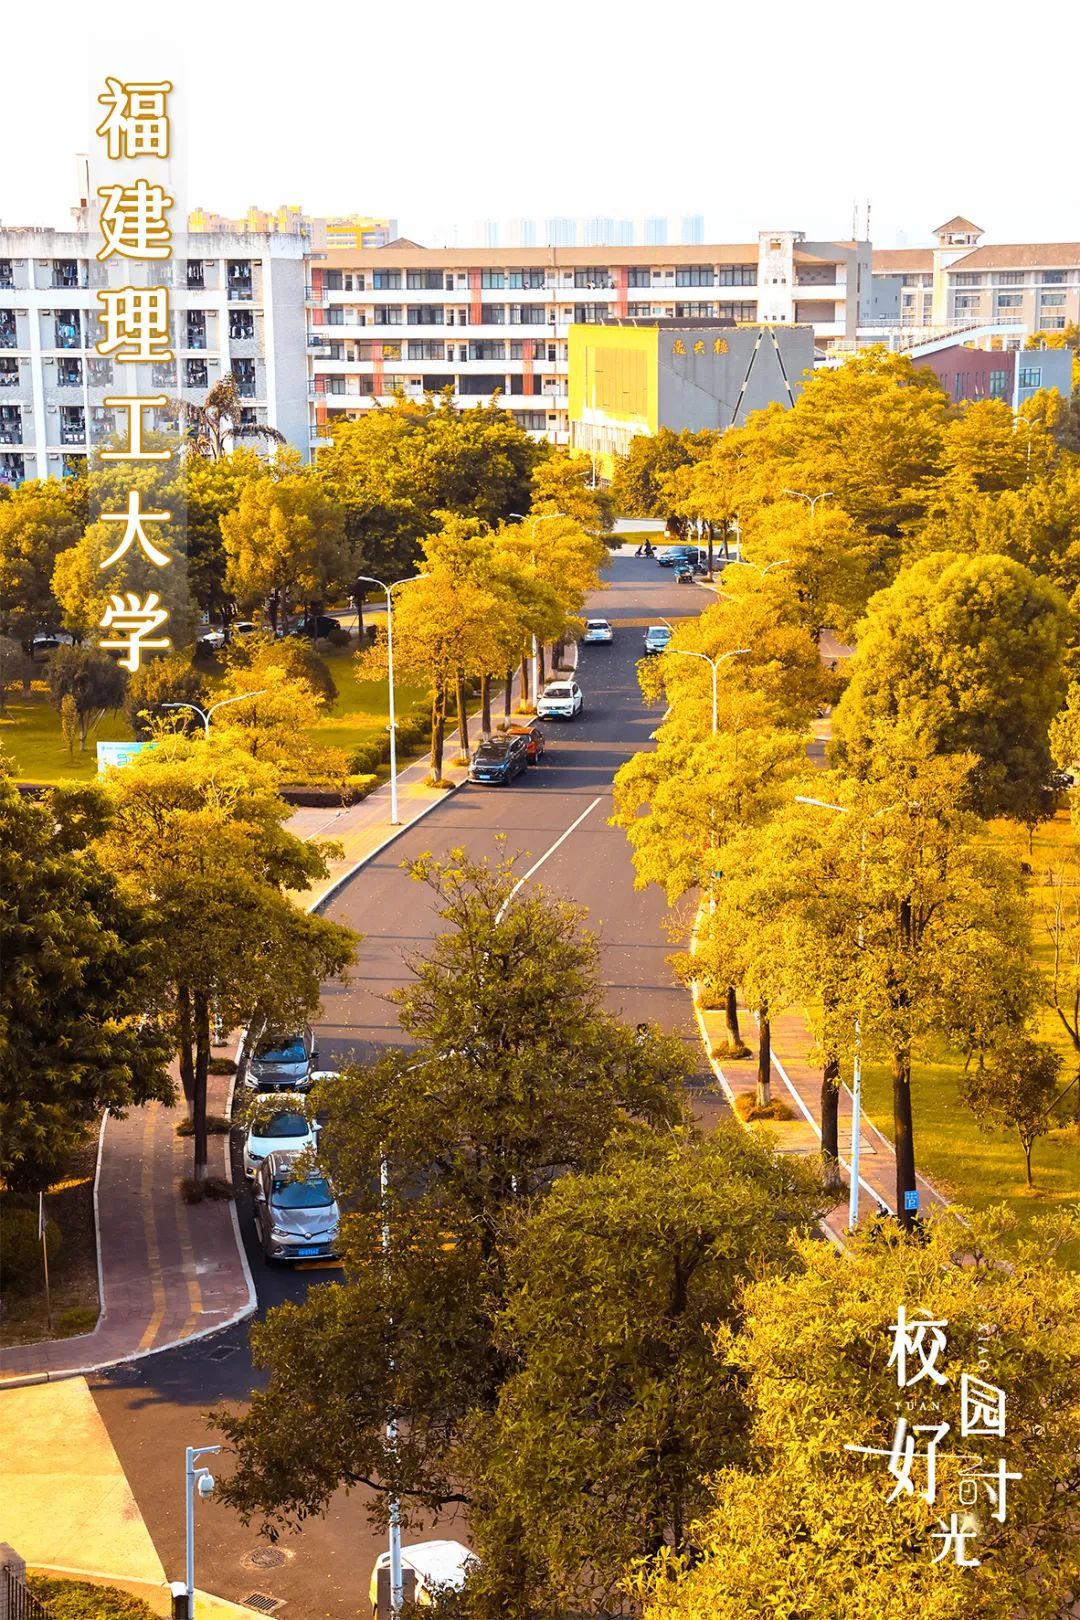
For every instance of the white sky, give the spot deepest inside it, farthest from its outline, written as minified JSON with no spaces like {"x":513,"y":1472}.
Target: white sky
{"x":757,"y":116}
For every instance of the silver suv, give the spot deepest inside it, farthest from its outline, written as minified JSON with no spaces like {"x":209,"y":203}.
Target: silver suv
{"x":282,"y":1062}
{"x":296,"y":1216}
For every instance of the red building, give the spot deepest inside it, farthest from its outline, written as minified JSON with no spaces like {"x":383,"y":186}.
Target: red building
{"x":972,"y":373}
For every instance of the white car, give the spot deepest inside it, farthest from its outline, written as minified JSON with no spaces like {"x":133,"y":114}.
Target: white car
{"x":598,"y":630}
{"x":427,"y":1567}
{"x":560,"y":700}
{"x":278,"y":1124}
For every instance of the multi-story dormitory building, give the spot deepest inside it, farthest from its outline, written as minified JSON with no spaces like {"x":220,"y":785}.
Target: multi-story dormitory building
{"x":311,"y":334}
{"x":238,"y":305}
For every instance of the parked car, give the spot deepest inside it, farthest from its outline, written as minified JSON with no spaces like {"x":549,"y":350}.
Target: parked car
{"x":210,"y":636}
{"x":276,"y":1125}
{"x":560,"y":700}
{"x":427,"y":1567}
{"x":282,"y":1062}
{"x":684,"y":573}
{"x":313,"y":627}
{"x":657,"y":637}
{"x":499,"y":759}
{"x":535,"y":741}
{"x":50,"y":640}
{"x":597,"y":631}
{"x":674,"y":554}
{"x":296,"y":1215}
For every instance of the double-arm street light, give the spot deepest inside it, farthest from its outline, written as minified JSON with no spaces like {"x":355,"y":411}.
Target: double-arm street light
{"x":741,"y":562}
{"x":825,"y":495}
{"x":204,"y":714}
{"x":714,"y":666}
{"x":366,"y":579}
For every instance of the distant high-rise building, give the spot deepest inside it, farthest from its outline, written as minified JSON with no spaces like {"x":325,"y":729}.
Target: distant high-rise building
{"x":655,"y":231}
{"x":560,"y":232}
{"x":596,"y":231}
{"x":624,"y":232}
{"x":486,"y":233}
{"x":693,"y":229}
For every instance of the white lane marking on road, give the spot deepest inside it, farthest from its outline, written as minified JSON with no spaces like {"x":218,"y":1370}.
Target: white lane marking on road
{"x":538,"y":864}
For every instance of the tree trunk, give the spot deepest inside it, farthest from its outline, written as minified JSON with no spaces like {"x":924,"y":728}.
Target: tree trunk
{"x":764,"y":1061}
{"x":709,"y":528}
{"x":462,"y":718}
{"x":485,"y":705}
{"x":731,"y":1017}
{"x":541,"y":671}
{"x":903,"y":1135}
{"x":508,"y":694}
{"x":438,"y":726}
{"x":525,"y":677}
{"x":1027,"y":1146}
{"x":201,"y":1015}
{"x":187,"y":1041}
{"x":830,"y":1120}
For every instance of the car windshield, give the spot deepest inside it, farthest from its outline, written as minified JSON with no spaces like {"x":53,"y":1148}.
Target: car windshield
{"x":557,"y":691}
{"x":282,"y":1125}
{"x":659,"y":635}
{"x":490,"y":750}
{"x":311,"y":1194}
{"x":288,"y":1051}
{"x":597,"y":624}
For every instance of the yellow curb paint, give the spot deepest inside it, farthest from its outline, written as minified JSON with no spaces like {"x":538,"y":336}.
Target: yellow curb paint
{"x":153,"y":1254}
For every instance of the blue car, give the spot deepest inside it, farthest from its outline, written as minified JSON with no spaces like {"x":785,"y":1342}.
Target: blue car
{"x":500,"y":759}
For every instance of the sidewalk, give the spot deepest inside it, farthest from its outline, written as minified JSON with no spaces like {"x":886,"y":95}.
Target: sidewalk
{"x":797,"y":1082}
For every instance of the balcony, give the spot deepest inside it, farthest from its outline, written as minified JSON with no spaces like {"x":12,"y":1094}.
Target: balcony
{"x":66,"y":336}
{"x":11,"y":433}
{"x":7,"y":276}
{"x":72,"y":433}
{"x":9,"y":379}
{"x":240,"y":291}
{"x":315,"y":300}
{"x":66,"y":282}
{"x":196,"y":340}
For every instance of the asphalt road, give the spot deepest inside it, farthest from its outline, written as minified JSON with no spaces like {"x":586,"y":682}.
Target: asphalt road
{"x":555,"y":815}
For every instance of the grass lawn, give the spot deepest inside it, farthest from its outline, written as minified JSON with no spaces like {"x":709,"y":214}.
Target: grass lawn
{"x":30,"y":731}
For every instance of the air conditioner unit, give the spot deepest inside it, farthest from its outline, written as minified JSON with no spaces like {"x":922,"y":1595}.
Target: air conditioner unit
{"x":46,"y":312}
{"x":209,"y":264}
{"x":50,"y":360}
{"x":52,"y":410}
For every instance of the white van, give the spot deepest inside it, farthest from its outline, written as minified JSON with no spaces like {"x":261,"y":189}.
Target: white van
{"x":425,"y":1568}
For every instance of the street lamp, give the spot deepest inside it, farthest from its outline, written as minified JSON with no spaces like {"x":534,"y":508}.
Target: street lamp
{"x":200,"y":1479}
{"x":204,"y":714}
{"x":741,"y":562}
{"x":545,"y":517}
{"x":396,"y":1582}
{"x":713,"y":663}
{"x":856,"y":1056}
{"x":813,"y":499}
{"x":366,"y":579}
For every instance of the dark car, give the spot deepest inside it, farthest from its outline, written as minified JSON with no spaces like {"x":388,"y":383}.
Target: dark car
{"x":315,"y":626}
{"x":296,"y":1215}
{"x":677,"y":554}
{"x":499,"y":760}
{"x":684,"y":573}
{"x":534,"y":738}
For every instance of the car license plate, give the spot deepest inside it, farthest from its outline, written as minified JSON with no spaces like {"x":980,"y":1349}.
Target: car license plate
{"x":311,"y":1248}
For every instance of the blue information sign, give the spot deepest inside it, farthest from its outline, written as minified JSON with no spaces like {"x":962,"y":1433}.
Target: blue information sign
{"x":118,"y":753}
{"x":911,"y":1198}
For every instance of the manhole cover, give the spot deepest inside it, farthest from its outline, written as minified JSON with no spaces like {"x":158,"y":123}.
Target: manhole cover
{"x":260,"y":1601}
{"x":123,"y":1373}
{"x":264,"y":1558}
{"x":222,"y":1352}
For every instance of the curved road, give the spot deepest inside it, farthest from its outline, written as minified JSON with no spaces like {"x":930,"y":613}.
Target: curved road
{"x":556,"y":814}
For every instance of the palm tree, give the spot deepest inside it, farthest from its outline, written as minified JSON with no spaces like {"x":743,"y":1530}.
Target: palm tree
{"x":208,"y":428}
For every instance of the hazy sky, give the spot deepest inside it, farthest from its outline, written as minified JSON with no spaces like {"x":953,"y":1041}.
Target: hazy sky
{"x":758,"y":117}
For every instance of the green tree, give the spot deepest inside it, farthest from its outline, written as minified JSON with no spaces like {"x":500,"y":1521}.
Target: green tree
{"x":515,"y":1077}
{"x":212,"y":488}
{"x":15,"y":665}
{"x":641,"y":486}
{"x":82,"y":966}
{"x":1016,"y":1085}
{"x":618,"y":1410}
{"x":199,"y":825}
{"x":285,"y":541}
{"x":808,"y":1530}
{"x":38,"y":521}
{"x":95,"y":683}
{"x":967,"y":653}
{"x":165,"y":679}
{"x":561,"y":484}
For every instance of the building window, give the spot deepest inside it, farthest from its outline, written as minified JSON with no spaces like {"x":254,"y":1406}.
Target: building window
{"x":241,"y":324}
{"x":240,"y":278}
{"x":1055,"y":277}
{"x":386,"y":280}
{"x":1053,"y":323}
{"x":999,"y":384}
{"x":7,"y":273}
{"x":737,"y":275}
{"x":1030,"y":376}
{"x":492,"y":315}
{"x":65,"y":273}
{"x":638,"y":277}
{"x":69,"y":373}
{"x":528,"y":315}
{"x":244,"y":372}
{"x":1009,"y":300}
{"x":968,"y":300}
{"x":8,"y":329}
{"x":593,"y":276}
{"x":492,"y":349}
{"x":492,"y":278}
{"x":695,"y":312}
{"x":67,"y":329}
{"x":387,"y":314}
{"x":163,"y":375}
{"x":11,"y":429}
{"x":196,"y":329}
{"x":100,"y":373}
{"x":195,"y":374}
{"x":72,"y":424}
{"x":967,"y":278}
{"x":531,"y":279}
{"x":1052,"y":300}
{"x":424,"y":350}
{"x":9,"y":372}
{"x":424,"y":280}
{"x":425,"y":315}
{"x":195,"y":275}
{"x":695,"y":275}
{"x":737,"y":312}
{"x":531,"y":421}
{"x":1010,"y":278}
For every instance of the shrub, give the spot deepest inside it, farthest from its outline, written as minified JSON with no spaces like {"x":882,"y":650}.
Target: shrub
{"x":364,"y":759}
{"x":216,"y":1125}
{"x":193,"y":1192}
{"x":20,"y":1249}
{"x":221,"y":1066}
{"x":330,"y":794}
{"x":408,"y":734}
{"x":747,"y":1109}
{"x":79,"y":1600}
{"x":726,"y":1052}
{"x":339,"y":638}
{"x":75,"y":1320}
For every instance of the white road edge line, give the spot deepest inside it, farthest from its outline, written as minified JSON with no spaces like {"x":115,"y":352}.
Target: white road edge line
{"x":538,"y":864}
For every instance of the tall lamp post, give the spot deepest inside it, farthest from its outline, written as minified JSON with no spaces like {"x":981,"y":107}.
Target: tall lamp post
{"x":545,"y":517}
{"x":204,"y":714}
{"x":396,"y":1582}
{"x":196,"y":1478}
{"x":825,"y":495}
{"x":714,"y":666}
{"x":366,"y":579}
{"x":856,"y":1056}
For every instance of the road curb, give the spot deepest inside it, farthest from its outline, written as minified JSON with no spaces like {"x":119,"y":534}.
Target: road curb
{"x":395,"y":833}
